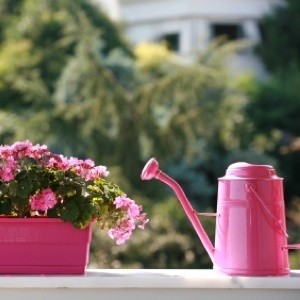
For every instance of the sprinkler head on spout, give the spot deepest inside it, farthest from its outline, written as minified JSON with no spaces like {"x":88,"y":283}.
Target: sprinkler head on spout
{"x":151,"y":169}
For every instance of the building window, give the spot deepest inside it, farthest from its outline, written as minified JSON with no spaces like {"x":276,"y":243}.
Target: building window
{"x":172,"y":40}
{"x":230,"y":31}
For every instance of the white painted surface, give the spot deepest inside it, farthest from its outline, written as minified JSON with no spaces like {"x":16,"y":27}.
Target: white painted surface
{"x":150,"y":20}
{"x":146,"y":10}
{"x":150,"y":284}
{"x":111,"y":7}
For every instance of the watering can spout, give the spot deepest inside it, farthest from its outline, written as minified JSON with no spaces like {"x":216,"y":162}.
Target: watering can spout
{"x":152,"y":171}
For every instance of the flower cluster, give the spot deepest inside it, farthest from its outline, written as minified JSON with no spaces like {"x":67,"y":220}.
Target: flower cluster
{"x":43,"y":200}
{"x":11,"y":155}
{"x":123,"y":231}
{"x":37,"y":182}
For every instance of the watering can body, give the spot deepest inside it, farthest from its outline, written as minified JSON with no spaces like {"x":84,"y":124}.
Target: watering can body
{"x":250,"y":236}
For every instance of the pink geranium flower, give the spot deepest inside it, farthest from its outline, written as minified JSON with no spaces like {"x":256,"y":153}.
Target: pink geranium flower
{"x":5,"y":152}
{"x":123,"y":232}
{"x":43,"y":200}
{"x":133,"y":213}
{"x":8,"y":169}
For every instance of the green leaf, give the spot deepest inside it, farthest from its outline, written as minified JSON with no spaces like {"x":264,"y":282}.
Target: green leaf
{"x":59,"y":175}
{"x":13,"y":188}
{"x":83,"y":221}
{"x":53,"y":213}
{"x":6,"y":207}
{"x":65,"y":190}
{"x":24,"y":188}
{"x":88,"y":209}
{"x":104,"y":209}
{"x":21,"y":206}
{"x":29,"y":160}
{"x":21,"y":175}
{"x":70,"y":212}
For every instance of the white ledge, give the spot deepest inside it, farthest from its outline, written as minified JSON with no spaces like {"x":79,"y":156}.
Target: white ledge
{"x":147,"y":284}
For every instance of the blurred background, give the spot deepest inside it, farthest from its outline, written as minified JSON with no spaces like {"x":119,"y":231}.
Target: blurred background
{"x":197,"y":84}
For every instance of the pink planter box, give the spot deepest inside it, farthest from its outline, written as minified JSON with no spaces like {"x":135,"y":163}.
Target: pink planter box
{"x":43,"y":246}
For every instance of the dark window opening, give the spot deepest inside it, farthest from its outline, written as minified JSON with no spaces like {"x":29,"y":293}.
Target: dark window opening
{"x":172,"y":40}
{"x":230,"y":31}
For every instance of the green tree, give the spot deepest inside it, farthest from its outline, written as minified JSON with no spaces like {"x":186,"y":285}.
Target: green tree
{"x":281,"y":41}
{"x":275,"y":104}
{"x":274,"y":109}
{"x":36,"y":43}
{"x":195,"y":114}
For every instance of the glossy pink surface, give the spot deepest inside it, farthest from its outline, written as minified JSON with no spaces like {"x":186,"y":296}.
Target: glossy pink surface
{"x":150,"y":171}
{"x":251,"y":236}
{"x":42,"y":246}
{"x":250,"y":227}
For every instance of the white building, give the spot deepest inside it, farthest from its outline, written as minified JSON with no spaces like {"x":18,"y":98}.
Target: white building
{"x":189,"y":25}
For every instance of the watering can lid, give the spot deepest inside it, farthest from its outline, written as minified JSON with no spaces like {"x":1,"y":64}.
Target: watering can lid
{"x":246,"y":170}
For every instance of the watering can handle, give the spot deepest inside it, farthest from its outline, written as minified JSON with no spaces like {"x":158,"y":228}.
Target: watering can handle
{"x":273,"y":218}
{"x":207,"y":214}
{"x":279,"y":225}
{"x":292,"y":247}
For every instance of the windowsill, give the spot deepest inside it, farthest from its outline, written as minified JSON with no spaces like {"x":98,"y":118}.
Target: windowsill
{"x":147,"y":284}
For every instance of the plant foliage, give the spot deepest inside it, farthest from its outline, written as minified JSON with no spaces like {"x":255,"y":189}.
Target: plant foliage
{"x":35,"y":182}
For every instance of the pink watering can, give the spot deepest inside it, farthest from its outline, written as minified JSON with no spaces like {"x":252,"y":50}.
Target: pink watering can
{"x":250,"y":236}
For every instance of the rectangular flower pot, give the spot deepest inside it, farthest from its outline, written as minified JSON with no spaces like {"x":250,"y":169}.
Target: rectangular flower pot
{"x":43,"y":246}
